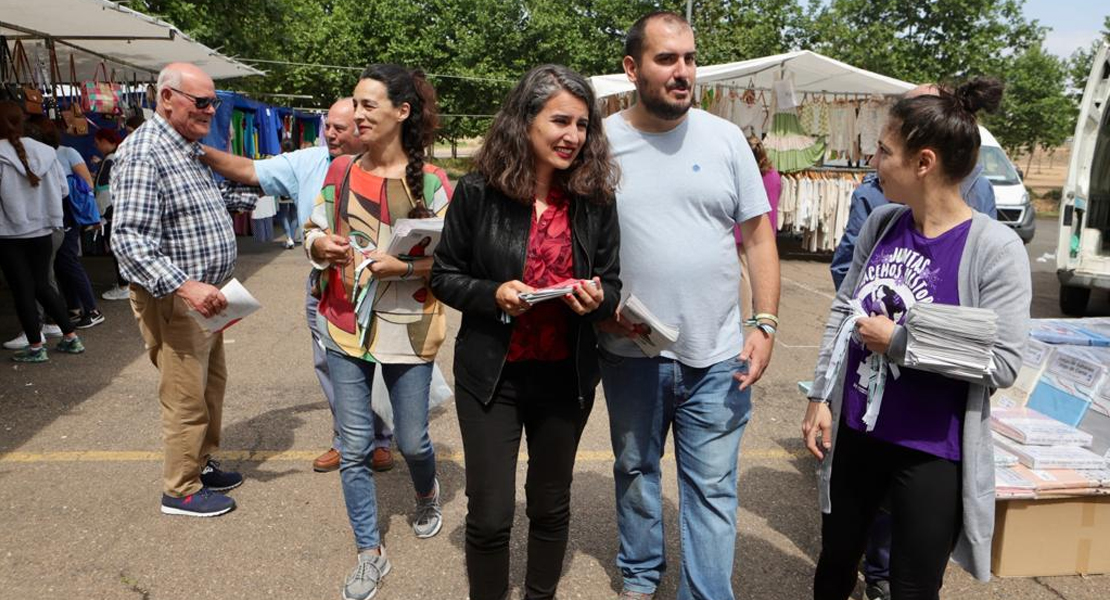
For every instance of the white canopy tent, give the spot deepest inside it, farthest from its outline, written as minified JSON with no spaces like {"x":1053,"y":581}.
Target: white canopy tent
{"x":98,"y":30}
{"x":813,"y":73}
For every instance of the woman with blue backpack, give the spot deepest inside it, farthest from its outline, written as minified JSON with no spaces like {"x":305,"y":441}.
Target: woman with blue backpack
{"x":80,"y":212}
{"x":32,"y":187}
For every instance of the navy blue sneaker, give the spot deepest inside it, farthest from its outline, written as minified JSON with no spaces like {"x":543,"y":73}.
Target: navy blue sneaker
{"x":204,"y":503}
{"x":216,"y":480}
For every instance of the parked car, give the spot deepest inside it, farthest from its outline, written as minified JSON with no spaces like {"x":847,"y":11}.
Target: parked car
{"x":1010,"y":196}
{"x":1083,"y":248}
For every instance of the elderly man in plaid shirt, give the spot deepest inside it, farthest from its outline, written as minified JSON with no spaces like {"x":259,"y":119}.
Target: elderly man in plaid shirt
{"x":174,"y":240}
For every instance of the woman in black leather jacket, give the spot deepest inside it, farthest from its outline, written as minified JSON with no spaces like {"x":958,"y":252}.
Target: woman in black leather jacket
{"x":538,"y":213}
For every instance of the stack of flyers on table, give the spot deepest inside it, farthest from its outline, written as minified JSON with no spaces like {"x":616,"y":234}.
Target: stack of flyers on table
{"x":949,"y":339}
{"x":1051,"y":457}
{"x":652,"y":335}
{"x":1074,"y":332}
{"x":240,"y":303}
{"x":1027,"y":426}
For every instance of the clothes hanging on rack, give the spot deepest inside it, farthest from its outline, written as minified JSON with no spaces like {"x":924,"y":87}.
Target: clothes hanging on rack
{"x":816,"y":204}
{"x":842,"y":129}
{"x":871,"y":119}
{"x":814,"y":117}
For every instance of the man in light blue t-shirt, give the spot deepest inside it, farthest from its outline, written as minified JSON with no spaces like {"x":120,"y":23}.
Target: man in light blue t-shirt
{"x":300,"y":175}
{"x":687,"y":178}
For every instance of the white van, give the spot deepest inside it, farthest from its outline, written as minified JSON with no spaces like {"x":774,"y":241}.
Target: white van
{"x":1083,"y":248}
{"x":1010,"y":196}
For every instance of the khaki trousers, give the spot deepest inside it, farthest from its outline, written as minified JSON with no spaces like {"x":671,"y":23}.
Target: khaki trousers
{"x":191,"y":386}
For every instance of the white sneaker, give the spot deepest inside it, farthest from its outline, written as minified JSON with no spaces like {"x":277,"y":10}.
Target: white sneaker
{"x":120,"y":292}
{"x":51,"y":330}
{"x":16,"y":343}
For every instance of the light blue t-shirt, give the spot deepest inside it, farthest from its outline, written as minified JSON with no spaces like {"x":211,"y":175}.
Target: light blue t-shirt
{"x":681,"y":194}
{"x":298,"y":175}
{"x":69,"y":158}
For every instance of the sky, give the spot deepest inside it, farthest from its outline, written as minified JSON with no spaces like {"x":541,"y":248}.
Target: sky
{"x":1074,"y":23}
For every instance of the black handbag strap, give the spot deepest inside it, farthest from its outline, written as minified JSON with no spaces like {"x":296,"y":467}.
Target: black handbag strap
{"x":5,"y":59}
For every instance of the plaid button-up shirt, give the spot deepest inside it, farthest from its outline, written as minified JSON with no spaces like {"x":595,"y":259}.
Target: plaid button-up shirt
{"x":170,"y":223}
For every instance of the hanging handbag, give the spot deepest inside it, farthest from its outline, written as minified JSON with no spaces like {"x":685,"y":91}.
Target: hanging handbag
{"x":102,"y":97}
{"x":52,"y":102}
{"x":76,"y":123}
{"x":32,"y":96}
{"x":9,"y":91}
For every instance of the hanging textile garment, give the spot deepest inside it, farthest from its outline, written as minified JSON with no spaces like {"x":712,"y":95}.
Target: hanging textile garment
{"x":814,"y":117}
{"x":749,"y":111}
{"x":816,"y":205}
{"x":842,"y":129}
{"x":871,"y":120}
{"x":787,"y":145}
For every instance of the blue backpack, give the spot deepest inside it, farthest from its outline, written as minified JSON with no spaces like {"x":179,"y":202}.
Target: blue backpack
{"x":82,"y":201}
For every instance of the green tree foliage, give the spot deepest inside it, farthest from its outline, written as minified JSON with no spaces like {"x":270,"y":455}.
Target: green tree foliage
{"x":1079,"y":63}
{"x":1035,"y":110}
{"x":475,"y":50}
{"x":922,"y":41}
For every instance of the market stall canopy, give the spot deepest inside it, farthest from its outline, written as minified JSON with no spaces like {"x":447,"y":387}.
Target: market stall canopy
{"x":813,"y":73}
{"x":95,"y":30}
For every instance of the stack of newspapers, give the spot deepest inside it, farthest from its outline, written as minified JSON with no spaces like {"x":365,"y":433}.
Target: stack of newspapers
{"x":652,"y":335}
{"x":952,"y":340}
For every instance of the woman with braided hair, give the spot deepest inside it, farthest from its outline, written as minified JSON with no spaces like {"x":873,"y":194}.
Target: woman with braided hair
{"x":32,"y":187}
{"x":376,"y":309}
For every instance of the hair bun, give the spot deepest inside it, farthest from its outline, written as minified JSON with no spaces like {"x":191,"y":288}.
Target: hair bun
{"x":981,"y":93}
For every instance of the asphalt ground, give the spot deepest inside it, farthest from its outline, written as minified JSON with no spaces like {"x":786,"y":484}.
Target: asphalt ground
{"x":80,"y":470}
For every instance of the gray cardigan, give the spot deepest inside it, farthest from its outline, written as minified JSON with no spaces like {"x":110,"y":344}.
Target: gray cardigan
{"x":994,"y":273}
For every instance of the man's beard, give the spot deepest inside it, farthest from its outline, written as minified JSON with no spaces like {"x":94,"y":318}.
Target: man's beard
{"x":659,"y":107}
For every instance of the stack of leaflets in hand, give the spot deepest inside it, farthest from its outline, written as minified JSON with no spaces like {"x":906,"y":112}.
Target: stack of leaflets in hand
{"x":548,"y":293}
{"x":949,"y":339}
{"x":652,"y":335}
{"x":1028,"y":426}
{"x":1052,"y":457}
{"x":415,"y":238}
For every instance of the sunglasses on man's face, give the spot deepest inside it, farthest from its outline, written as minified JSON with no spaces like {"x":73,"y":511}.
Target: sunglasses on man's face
{"x":201,"y":103}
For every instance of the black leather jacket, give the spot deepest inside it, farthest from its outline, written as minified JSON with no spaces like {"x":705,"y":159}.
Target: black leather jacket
{"x":485,"y":239}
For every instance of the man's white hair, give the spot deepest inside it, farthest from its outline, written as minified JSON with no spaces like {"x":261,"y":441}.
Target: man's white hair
{"x":169,"y":77}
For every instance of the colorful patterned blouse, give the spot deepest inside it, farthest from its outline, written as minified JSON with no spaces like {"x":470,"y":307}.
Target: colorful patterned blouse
{"x":408,"y":323}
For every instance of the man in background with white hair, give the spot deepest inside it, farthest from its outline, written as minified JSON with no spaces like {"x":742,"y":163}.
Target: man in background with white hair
{"x":174,"y":240}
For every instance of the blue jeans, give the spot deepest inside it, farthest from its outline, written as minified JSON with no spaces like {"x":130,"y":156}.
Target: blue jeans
{"x":408,"y":394}
{"x":383,"y":435}
{"x":288,"y":213}
{"x":646,"y":398}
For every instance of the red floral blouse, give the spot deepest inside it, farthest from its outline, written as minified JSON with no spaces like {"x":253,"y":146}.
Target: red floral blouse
{"x":541,"y":333}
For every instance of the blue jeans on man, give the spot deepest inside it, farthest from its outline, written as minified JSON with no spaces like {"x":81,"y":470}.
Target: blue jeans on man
{"x":409,"y":386}
{"x":647,"y":397}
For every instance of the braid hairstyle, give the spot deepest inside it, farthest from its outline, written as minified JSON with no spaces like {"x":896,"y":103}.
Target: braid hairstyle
{"x":418,"y":130}
{"x":11,"y":129}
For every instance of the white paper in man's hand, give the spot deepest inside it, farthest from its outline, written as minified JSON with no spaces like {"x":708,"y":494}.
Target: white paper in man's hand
{"x":240,"y":303}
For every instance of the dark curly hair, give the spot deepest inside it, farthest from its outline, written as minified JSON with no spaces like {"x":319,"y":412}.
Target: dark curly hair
{"x":506,"y":158}
{"x":946,"y":122}
{"x":419,"y":130}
